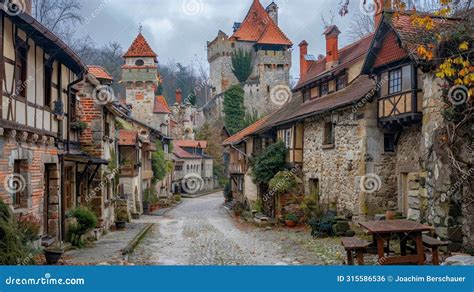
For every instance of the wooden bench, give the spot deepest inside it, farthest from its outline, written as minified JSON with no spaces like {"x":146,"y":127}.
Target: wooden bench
{"x":434,"y":244}
{"x":354,"y":244}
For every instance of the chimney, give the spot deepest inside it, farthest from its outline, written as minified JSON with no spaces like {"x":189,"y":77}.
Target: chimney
{"x":272,"y":11}
{"x":303,"y":63}
{"x":179,"y":96}
{"x":332,"y":47}
{"x":380,"y":7}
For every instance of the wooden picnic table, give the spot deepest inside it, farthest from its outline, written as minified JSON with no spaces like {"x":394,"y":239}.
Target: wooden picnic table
{"x":406,"y":230}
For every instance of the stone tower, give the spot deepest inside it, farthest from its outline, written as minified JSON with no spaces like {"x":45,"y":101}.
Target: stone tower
{"x":140,"y":78}
{"x":270,"y":48}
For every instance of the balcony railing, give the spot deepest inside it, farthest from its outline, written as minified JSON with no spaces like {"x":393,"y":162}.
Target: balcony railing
{"x":399,"y":109}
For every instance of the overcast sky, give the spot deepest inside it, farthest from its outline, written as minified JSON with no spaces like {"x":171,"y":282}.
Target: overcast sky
{"x":179,"y":29}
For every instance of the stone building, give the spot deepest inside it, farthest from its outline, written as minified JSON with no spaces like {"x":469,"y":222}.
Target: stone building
{"x":270,"y":49}
{"x":410,"y":109}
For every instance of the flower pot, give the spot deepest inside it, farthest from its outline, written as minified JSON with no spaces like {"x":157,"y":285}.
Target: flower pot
{"x":390,"y":215}
{"x":52,"y":256}
{"x":290,"y":223}
{"x":120,"y":225}
{"x":135,"y":216}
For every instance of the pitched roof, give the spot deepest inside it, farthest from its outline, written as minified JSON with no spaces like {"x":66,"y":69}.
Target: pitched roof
{"x":99,"y":72}
{"x":400,"y":37}
{"x":161,"y":106}
{"x":351,"y":94}
{"x":183,"y":154}
{"x":140,"y":48}
{"x":259,"y":27}
{"x":128,"y":138}
{"x":237,"y":138}
{"x":347,"y":55}
{"x":191,"y":144}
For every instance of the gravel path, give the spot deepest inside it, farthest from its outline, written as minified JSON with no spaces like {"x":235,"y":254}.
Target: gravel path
{"x":200,"y":231}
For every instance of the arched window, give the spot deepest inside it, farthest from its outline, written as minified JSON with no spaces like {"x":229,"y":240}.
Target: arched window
{"x":139,"y":84}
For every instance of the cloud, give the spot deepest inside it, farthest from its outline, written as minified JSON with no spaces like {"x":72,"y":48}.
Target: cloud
{"x":179,"y":29}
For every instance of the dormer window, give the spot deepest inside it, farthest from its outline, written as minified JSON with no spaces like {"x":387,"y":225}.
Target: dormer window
{"x":139,"y":62}
{"x":340,"y":82}
{"x":395,"y":81}
{"x":324,"y":89}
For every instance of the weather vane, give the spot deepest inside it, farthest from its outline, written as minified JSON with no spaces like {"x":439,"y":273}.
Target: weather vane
{"x":140,"y":27}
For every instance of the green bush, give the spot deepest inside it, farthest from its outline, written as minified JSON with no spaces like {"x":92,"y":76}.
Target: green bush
{"x":310,"y":208}
{"x":86,"y":220}
{"x":14,"y":249}
{"x":283,"y":182}
{"x":267,"y":164}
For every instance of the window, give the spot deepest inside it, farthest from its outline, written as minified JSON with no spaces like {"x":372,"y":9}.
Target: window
{"x":306,"y":95}
{"x":139,"y":62}
{"x":324,"y":89}
{"x":395,"y":81}
{"x":389,"y":142}
{"x":178,"y":168}
{"x":48,"y":79}
{"x":341,"y":82}
{"x":329,"y":138}
{"x":18,"y":184}
{"x":22,"y":70}
{"x":288,"y":138}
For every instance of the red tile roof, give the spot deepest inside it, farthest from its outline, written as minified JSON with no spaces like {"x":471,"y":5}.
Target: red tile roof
{"x":181,"y":153}
{"x":190,"y":144}
{"x":140,"y":48}
{"x":237,"y":138}
{"x":259,"y":27}
{"x":99,"y":72}
{"x":128,"y":138}
{"x":390,"y":51}
{"x":347,"y":55}
{"x":161,"y":106}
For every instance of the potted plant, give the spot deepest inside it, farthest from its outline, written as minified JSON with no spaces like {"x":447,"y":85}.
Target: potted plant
{"x":84,"y":220}
{"x":135,"y":216}
{"x":238,"y":209}
{"x":79,"y":126}
{"x":291,"y":220}
{"x":121,"y":219}
{"x":53,"y":254}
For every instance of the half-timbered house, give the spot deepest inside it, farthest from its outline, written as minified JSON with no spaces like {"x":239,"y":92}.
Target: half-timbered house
{"x":38,"y":79}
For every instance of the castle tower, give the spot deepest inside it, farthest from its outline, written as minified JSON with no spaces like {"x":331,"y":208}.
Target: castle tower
{"x":140,"y":78}
{"x":270,"y":50}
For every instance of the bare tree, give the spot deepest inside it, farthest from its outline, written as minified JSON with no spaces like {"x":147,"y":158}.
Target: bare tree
{"x":327,"y":23}
{"x":361,"y":25}
{"x":59,"y":16}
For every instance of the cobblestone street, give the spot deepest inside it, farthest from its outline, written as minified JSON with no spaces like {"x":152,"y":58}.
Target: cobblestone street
{"x":200,"y":231}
